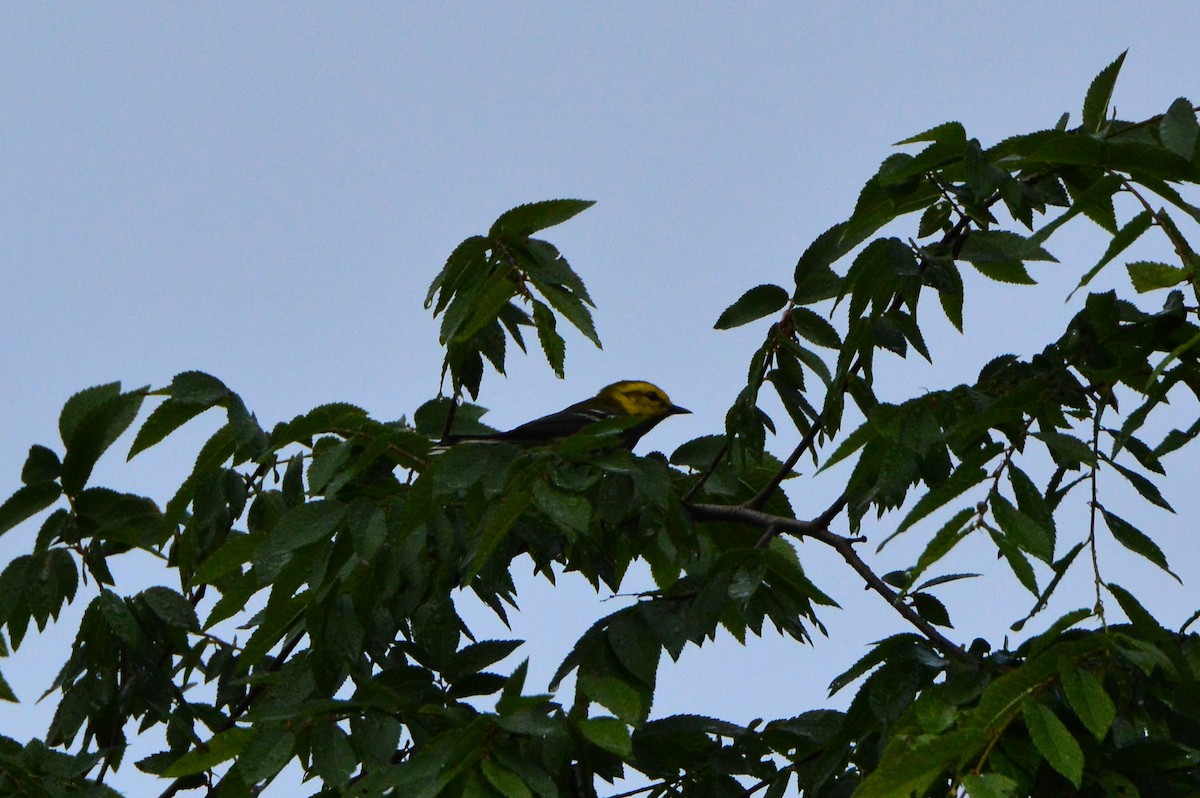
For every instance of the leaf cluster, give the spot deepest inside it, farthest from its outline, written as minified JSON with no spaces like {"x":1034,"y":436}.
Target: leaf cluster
{"x":316,"y":569}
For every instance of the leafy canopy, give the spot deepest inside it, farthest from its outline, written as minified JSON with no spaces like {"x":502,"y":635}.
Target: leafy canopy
{"x":310,"y":572}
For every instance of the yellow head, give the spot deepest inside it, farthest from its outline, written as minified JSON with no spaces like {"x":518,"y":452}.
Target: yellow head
{"x":638,"y":398}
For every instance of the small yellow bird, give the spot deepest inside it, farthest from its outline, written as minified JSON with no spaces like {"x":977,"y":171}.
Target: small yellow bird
{"x":624,"y":399}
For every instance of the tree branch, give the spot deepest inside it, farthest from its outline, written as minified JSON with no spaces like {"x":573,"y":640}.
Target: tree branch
{"x":818,"y":529}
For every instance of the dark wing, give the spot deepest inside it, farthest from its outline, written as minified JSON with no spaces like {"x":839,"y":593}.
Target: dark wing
{"x":555,"y":426}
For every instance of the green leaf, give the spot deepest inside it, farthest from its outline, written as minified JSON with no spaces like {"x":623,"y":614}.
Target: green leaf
{"x":1088,"y":699}
{"x":616,"y":696}
{"x":222,"y":747}
{"x":1030,"y":499}
{"x":333,"y":756}
{"x":570,"y":512}
{"x":1054,"y":741}
{"x":300,"y":526}
{"x":269,"y":750}
{"x":524,"y":220}
{"x":944,"y":540}
{"x":1000,"y":255}
{"x":1022,"y":529}
{"x":1099,"y":95}
{"x":171,"y":607}
{"x":989,"y":785}
{"x":756,"y":303}
{"x":468,"y":258}
{"x":120,"y":618}
{"x":91,"y":432}
{"x":1150,"y":276}
{"x":910,"y":767}
{"x":815,"y":328}
{"x":609,"y":734}
{"x":27,"y":501}
{"x":499,"y":521}
{"x":41,"y":465}
{"x":6,"y":691}
{"x":1137,"y":541}
{"x":968,"y":474}
{"x":1141,"y":619}
{"x":1131,"y":232}
{"x":478,"y":656}
{"x":80,"y":404}
{"x":815,"y":280}
{"x":1016,"y":561}
{"x":635,"y":644}
{"x":572,"y":308}
{"x":931,"y":609}
{"x":1142,"y":485}
{"x":1178,"y":129}
{"x":508,"y":783}
{"x":237,"y":550}
{"x":552,"y":343}
{"x":163,"y":420}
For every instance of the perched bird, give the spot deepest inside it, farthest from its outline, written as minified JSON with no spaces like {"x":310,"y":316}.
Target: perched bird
{"x":621,"y":400}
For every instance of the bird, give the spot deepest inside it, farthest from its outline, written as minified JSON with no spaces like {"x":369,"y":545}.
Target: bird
{"x":626,"y":399}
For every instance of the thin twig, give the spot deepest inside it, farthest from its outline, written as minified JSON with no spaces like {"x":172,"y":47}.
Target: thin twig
{"x":1094,"y":506}
{"x":781,"y":473}
{"x":818,"y":530}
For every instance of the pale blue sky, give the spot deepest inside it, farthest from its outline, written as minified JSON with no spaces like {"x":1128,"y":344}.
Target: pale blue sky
{"x":265,"y":191}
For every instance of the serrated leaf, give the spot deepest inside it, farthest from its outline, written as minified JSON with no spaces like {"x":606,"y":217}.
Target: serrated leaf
{"x":1144,"y":486}
{"x":760,"y":301}
{"x":614,"y":695}
{"x":1001,"y":255}
{"x":1016,"y":561}
{"x":1131,"y":232}
{"x":524,"y":220}
{"x":27,"y":501}
{"x":815,"y":328}
{"x":553,"y":345}
{"x":1137,"y":541}
{"x":571,"y":512}
{"x":1054,"y":741}
{"x":609,"y":734}
{"x":478,"y":656}
{"x":83,"y":402}
{"x":298,"y":527}
{"x":572,"y":308}
{"x":41,"y":465}
{"x":171,"y":607}
{"x":1088,"y":699}
{"x":931,"y":609}
{"x":1022,"y":529}
{"x":968,"y":474}
{"x":1099,"y":95}
{"x":945,"y":539}
{"x":1150,"y":276}
{"x":6,"y":691}
{"x":222,"y":747}
{"x":499,"y":521}
{"x":92,"y":434}
{"x":509,"y":784}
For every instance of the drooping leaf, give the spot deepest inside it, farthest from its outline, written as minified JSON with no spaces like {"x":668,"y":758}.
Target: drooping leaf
{"x":1088,"y":699}
{"x":1137,"y":541}
{"x":1054,"y":740}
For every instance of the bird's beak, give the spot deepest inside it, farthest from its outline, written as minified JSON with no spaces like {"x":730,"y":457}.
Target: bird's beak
{"x":675,"y":410}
